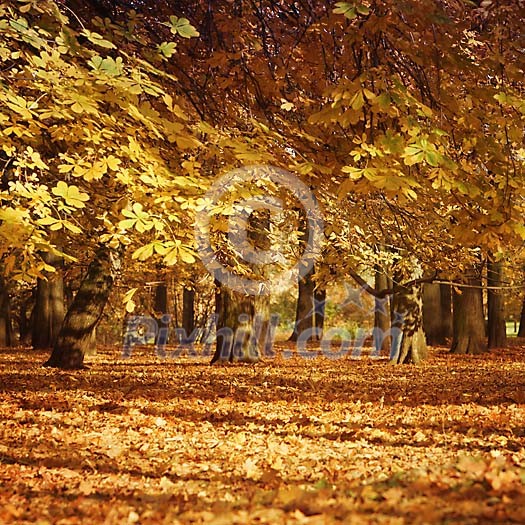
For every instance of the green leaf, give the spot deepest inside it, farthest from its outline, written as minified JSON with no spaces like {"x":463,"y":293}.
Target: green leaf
{"x":346,"y":9}
{"x":109,"y":66}
{"x":182,"y":27}
{"x":98,"y":39}
{"x":167,"y":49}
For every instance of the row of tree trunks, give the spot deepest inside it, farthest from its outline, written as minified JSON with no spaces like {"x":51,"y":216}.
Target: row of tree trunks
{"x":76,"y":334}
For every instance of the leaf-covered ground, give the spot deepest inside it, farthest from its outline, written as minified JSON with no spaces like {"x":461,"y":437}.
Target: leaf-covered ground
{"x":292,"y":441}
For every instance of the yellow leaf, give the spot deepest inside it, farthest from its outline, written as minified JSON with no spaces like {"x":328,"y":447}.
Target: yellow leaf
{"x":71,"y":194}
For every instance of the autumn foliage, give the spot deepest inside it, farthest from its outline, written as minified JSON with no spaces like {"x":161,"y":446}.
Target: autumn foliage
{"x":154,"y":155}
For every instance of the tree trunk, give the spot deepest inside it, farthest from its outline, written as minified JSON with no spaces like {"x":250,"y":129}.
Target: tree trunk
{"x":408,"y":337}
{"x":320,"y":308}
{"x":160,"y":307}
{"x":243,"y":324}
{"x":469,"y":322}
{"x":381,"y":315}
{"x":521,"y":331}
{"x":446,"y":311}
{"x":188,"y":310}
{"x":25,"y":319}
{"x":6,"y":331}
{"x":305,"y":310}
{"x":85,"y":312}
{"x":497,"y":327}
{"x":432,"y":321}
{"x":160,"y":304}
{"x":235,"y":313}
{"x":48,"y":312}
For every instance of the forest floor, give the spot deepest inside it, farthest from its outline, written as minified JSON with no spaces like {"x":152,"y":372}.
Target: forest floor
{"x":287,"y":441}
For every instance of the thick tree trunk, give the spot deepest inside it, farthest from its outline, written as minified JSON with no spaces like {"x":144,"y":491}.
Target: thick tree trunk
{"x":6,"y":331}
{"x":469,"y":323}
{"x":243,"y":319}
{"x":48,"y":312}
{"x":381,"y":315}
{"x":305,"y":310}
{"x":235,"y":319}
{"x":188,"y":310}
{"x":432,"y":322}
{"x":85,"y":312}
{"x":521,"y":330}
{"x":437,"y":313}
{"x":497,"y":327}
{"x":446,"y":311}
{"x":408,"y":337}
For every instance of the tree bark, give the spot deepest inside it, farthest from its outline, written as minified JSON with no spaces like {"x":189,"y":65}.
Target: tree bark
{"x":6,"y":331}
{"x":497,"y":327}
{"x":521,"y":330}
{"x":49,"y":310}
{"x":85,"y":312}
{"x":408,"y":337}
{"x":235,"y":313}
{"x":446,"y":311}
{"x":432,"y":311}
{"x":188,"y":310}
{"x":160,"y":306}
{"x":305,"y":310}
{"x":25,"y":318}
{"x":381,"y":315}
{"x":469,"y":323}
{"x":320,"y":308}
{"x":243,"y":320}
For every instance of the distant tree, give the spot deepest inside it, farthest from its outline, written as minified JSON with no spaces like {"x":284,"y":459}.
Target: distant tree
{"x":497,"y":326}
{"x":6,"y":327}
{"x":521,"y":330}
{"x":49,"y":308}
